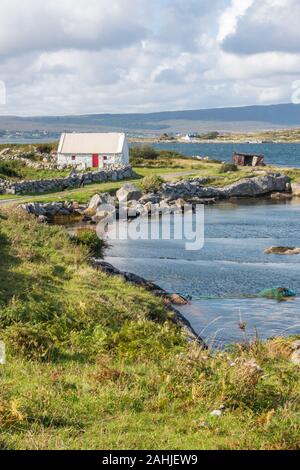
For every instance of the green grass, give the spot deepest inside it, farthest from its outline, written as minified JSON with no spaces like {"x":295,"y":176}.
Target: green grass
{"x":95,"y":363}
{"x":170,"y":169}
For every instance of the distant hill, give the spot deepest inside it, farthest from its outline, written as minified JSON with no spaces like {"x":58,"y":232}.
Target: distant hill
{"x":244,"y":118}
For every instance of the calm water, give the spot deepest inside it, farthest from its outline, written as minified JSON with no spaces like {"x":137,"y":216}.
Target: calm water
{"x":276,"y":154}
{"x":232,"y":263}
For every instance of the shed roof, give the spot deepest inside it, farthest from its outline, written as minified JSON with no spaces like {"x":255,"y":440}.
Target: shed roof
{"x":241,"y":154}
{"x":88,"y":143}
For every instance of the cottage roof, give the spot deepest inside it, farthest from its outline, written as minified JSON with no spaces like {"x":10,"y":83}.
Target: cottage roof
{"x":87,"y":143}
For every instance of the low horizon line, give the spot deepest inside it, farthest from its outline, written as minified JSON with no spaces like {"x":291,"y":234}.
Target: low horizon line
{"x":145,"y":113}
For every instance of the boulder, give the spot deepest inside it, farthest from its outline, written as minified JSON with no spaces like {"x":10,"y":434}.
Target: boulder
{"x":295,"y":189}
{"x":282,"y":250}
{"x":247,"y":187}
{"x":99,"y":199}
{"x":180,"y":203}
{"x":128,"y":192}
{"x":42,"y":219}
{"x":295,"y":357}
{"x":282,"y":196}
{"x":151,"y":197}
{"x":259,"y":186}
{"x":164,"y":205}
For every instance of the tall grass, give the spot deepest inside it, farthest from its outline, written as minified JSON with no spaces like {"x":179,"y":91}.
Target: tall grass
{"x":93,"y":362}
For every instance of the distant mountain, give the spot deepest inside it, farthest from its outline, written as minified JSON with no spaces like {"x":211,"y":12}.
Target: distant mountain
{"x":244,"y":118}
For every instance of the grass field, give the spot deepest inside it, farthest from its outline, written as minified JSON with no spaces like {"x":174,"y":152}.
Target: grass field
{"x":170,"y":168}
{"x":95,"y":363}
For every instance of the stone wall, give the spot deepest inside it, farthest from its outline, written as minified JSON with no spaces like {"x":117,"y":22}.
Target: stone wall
{"x":59,"y":184}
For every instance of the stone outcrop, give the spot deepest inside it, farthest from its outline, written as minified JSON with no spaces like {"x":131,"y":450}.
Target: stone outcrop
{"x":52,"y":209}
{"x":128,"y":192}
{"x":296,"y":189}
{"x":59,"y":184}
{"x":248,"y":187}
{"x":282,"y":250}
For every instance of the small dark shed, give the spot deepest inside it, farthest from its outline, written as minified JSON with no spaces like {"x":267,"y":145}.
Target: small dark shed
{"x":248,"y":159}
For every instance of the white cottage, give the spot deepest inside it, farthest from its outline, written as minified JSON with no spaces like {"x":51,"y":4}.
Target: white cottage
{"x":93,"y":150}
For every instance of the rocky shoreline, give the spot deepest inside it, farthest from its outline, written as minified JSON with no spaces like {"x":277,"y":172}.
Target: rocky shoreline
{"x":172,"y":198}
{"x":169,"y":299}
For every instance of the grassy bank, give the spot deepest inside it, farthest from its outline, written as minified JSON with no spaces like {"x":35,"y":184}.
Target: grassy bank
{"x":95,"y":363}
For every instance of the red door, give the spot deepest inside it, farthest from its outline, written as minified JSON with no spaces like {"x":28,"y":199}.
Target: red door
{"x":95,"y":160}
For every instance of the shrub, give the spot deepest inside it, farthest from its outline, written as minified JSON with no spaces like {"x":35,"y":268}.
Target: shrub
{"x":152,"y":184}
{"x":228,"y":167}
{"x":7,"y":170}
{"x":210,"y":135}
{"x":146,"y":152}
{"x":90,"y":239}
{"x":31,"y":341}
{"x":44,"y":148}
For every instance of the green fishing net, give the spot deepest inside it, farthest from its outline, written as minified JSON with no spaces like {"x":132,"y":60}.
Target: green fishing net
{"x":277,"y":293}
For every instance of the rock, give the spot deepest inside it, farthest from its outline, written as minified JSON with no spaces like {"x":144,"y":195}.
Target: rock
{"x":128,"y":192}
{"x":104,"y":211}
{"x":177,"y":299}
{"x":280,"y":250}
{"x":114,"y":173}
{"x":151,"y":197}
{"x":296,"y":345}
{"x":42,"y":219}
{"x":135,"y":209}
{"x":180,"y":203}
{"x":281,"y":196}
{"x":164,"y":205}
{"x":247,"y":187}
{"x":94,"y":202}
{"x":100,"y":199}
{"x":258,"y":186}
{"x":295,"y":357}
{"x":148,"y":207}
{"x":295,"y":189}
{"x":216,"y":413}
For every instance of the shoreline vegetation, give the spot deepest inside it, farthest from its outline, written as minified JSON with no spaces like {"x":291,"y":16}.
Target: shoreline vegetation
{"x":271,"y":136}
{"x":284,"y":135}
{"x":95,"y":362}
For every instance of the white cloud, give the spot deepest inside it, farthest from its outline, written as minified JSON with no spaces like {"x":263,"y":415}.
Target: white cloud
{"x":229,"y":18}
{"x":93,"y":56}
{"x":267,"y":25}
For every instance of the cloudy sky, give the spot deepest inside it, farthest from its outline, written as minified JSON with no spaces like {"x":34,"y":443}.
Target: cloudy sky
{"x":96,"y":56}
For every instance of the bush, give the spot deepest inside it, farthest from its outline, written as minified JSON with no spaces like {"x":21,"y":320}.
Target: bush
{"x":44,"y":148}
{"x":147,"y":153}
{"x":31,"y":341}
{"x":210,"y":135}
{"x":7,"y":170}
{"x":152,"y":184}
{"x":90,"y":239}
{"x":228,"y":167}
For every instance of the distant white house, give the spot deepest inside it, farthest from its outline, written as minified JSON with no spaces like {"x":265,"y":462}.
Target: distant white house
{"x":186,"y":138}
{"x":93,"y":150}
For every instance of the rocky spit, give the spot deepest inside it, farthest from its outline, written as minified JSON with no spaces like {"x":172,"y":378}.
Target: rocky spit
{"x":172,"y":198}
